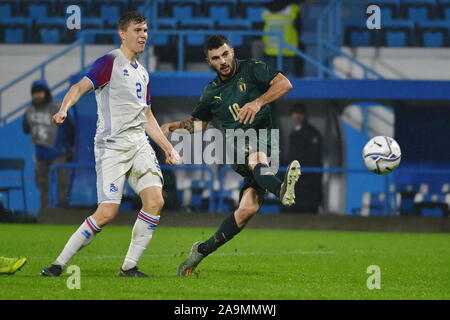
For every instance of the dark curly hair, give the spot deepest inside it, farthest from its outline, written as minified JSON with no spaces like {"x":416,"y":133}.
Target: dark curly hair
{"x":215,"y":41}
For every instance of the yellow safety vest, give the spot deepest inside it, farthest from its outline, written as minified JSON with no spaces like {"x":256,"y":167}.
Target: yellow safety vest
{"x":281,"y":21}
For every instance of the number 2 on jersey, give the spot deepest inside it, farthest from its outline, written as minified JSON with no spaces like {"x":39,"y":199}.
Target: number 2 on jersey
{"x":138,"y":90}
{"x":234,"y":109}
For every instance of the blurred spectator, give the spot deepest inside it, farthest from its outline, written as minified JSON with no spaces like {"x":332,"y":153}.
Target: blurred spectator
{"x":52,"y":144}
{"x":305,"y":145}
{"x":283,"y":16}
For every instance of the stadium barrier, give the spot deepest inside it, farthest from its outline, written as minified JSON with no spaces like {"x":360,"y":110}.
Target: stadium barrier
{"x":388,"y":205}
{"x":329,"y":39}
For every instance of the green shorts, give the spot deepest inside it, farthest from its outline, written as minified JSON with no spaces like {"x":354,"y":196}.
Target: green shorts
{"x":249,"y":182}
{"x":244,"y":150}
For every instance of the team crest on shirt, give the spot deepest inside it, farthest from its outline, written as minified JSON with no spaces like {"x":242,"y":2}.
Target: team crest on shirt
{"x":113,"y":188}
{"x":241,"y":85}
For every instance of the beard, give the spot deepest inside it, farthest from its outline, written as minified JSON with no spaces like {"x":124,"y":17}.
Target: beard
{"x":229,"y":67}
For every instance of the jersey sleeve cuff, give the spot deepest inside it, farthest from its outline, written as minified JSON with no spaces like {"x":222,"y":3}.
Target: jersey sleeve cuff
{"x":275,"y":74}
{"x":92,"y":79}
{"x":201,"y":117}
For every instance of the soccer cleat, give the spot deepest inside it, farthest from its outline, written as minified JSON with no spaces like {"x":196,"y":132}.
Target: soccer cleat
{"x":189,"y":265}
{"x":11,"y":265}
{"x":54,"y":270}
{"x":287,"y":192}
{"x":130,"y":273}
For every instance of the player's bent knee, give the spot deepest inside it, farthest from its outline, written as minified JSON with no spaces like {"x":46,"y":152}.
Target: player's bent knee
{"x":105,"y":213}
{"x":255,"y":158}
{"x":154,"y":204}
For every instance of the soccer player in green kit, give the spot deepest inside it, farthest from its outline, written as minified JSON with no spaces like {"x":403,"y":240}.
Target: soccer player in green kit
{"x":240,"y":97}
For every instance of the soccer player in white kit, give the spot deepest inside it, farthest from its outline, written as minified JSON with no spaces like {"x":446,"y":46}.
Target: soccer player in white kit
{"x":122,"y":91}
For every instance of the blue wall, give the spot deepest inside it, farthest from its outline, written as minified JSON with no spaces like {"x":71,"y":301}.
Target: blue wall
{"x":15,"y":144}
{"x":83,"y":188}
{"x":359,"y":183}
{"x":424,"y":137}
{"x":424,"y":133}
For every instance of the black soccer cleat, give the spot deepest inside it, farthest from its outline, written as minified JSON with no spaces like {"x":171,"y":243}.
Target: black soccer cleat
{"x":189,"y":265}
{"x":133,"y":272}
{"x":54,"y":270}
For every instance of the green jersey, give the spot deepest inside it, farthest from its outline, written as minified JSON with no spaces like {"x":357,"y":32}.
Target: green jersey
{"x":222,"y":100}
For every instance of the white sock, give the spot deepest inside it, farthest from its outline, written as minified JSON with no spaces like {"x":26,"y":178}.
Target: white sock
{"x":81,"y":238}
{"x":140,"y":237}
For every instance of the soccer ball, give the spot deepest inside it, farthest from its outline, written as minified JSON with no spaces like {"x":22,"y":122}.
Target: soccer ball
{"x":382,"y":155}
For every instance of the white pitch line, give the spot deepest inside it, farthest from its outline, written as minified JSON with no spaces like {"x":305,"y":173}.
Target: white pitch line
{"x":175,"y":255}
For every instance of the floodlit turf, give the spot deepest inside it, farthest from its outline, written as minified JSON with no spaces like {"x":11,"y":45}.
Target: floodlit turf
{"x":257,"y":264}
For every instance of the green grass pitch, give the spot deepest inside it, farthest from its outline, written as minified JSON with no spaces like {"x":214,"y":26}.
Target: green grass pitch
{"x":256,"y":264}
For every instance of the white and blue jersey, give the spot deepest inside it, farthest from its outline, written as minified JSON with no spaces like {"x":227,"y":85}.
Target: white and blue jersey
{"x":122,"y":151}
{"x":122,"y":91}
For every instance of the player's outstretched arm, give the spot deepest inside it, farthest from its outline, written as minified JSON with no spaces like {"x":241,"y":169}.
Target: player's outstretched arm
{"x":279,"y":86}
{"x":190,"y":124}
{"x":154,"y":131}
{"x":72,"y":96}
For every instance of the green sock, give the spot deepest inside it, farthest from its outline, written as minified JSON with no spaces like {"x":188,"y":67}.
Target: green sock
{"x":269,"y":181}
{"x":227,"y":230}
